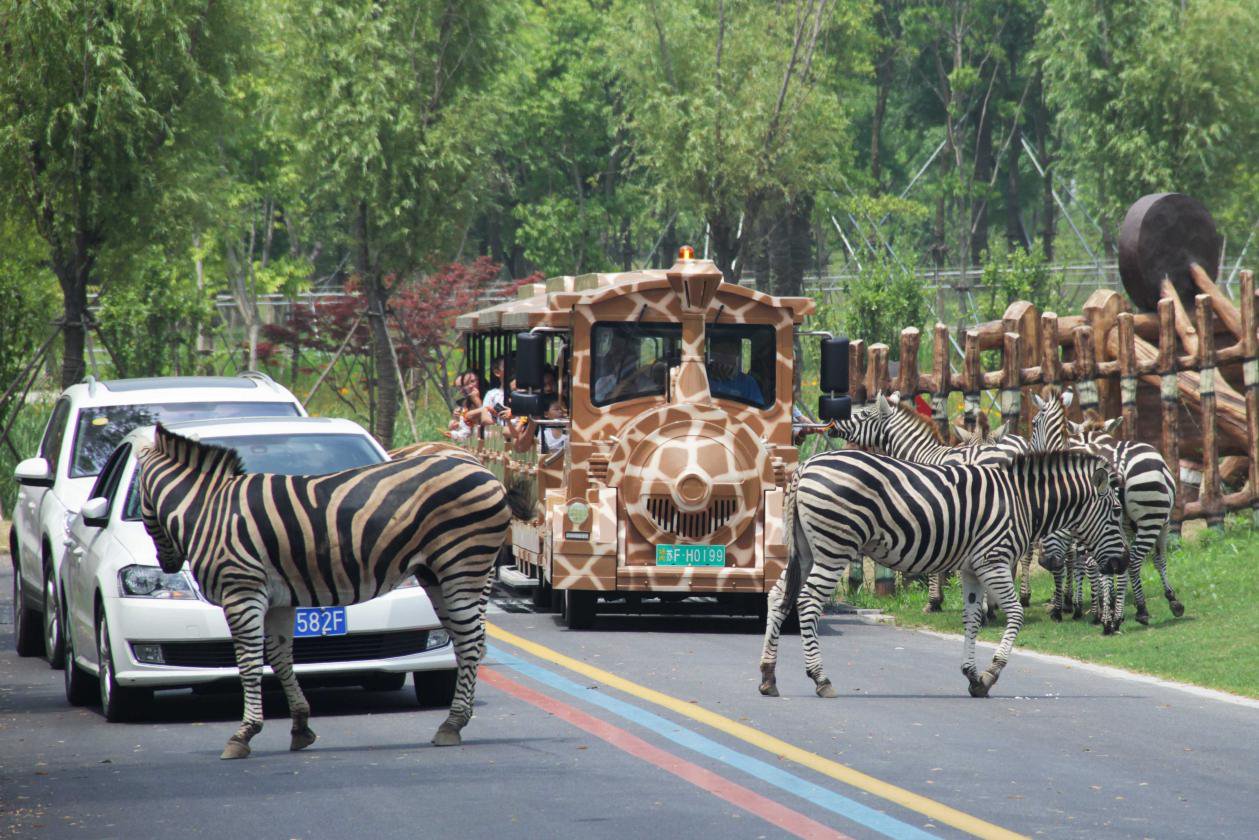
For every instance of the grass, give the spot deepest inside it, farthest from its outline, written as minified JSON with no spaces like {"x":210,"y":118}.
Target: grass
{"x":1215,"y":644}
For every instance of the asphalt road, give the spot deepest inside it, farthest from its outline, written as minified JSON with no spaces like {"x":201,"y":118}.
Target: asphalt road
{"x":650,"y":726}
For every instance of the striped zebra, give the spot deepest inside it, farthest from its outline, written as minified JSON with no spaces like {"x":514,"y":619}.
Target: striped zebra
{"x":1148,"y":492}
{"x":260,"y":545}
{"x":893,"y":427}
{"x":921,"y":518}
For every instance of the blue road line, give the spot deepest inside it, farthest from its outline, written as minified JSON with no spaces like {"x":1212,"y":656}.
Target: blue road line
{"x":816,"y":794}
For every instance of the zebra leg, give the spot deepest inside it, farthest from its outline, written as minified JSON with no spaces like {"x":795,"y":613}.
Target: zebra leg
{"x":935,"y":591}
{"x":972,"y":612}
{"x":777,"y":607}
{"x":1077,"y":571}
{"x":245,"y":620}
{"x":279,"y":650}
{"x":1160,"y":563}
{"x":817,"y":588}
{"x":1025,"y":576}
{"x":997,"y":580}
{"x":460,"y":604}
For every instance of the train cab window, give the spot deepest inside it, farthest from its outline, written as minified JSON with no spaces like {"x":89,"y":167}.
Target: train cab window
{"x":632,"y":360}
{"x":742,"y":360}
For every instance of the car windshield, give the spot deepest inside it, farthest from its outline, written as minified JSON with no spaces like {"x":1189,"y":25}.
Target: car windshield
{"x":741,"y":363}
{"x":100,"y":429}
{"x":632,"y":360}
{"x":285,"y":454}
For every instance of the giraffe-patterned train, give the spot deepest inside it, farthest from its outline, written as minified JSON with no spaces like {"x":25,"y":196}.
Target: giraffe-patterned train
{"x":678,"y":390}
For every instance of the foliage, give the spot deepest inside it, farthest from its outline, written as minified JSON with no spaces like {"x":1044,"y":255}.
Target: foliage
{"x":1212,"y":645}
{"x":150,"y":324}
{"x":28,"y":298}
{"x":883,"y":299}
{"x":1016,"y":274}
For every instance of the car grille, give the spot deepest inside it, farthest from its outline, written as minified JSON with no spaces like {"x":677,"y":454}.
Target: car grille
{"x":692,"y":526}
{"x":351,"y":647}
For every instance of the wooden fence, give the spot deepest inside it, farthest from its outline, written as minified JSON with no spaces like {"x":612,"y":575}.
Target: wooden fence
{"x":1177,"y":381}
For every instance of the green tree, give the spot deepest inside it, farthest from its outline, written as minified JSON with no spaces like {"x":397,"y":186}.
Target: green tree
{"x":28,"y":296}
{"x":737,"y":105}
{"x":386,"y":104}
{"x":97,"y":102}
{"x":1152,"y":98}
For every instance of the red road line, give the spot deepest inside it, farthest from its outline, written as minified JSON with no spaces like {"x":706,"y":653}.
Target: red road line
{"x":772,"y":812}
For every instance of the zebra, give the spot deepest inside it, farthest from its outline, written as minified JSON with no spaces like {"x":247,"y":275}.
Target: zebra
{"x":261,"y":545}
{"x":894,"y":428}
{"x":1148,"y":491}
{"x":925,"y":518}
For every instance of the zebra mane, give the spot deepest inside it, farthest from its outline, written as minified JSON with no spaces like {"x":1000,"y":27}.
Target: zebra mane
{"x":929,"y":427}
{"x":203,"y":457}
{"x":1050,"y":459}
{"x":1093,"y":421}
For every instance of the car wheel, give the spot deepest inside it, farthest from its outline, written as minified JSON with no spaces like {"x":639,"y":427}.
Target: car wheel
{"x":80,"y":688}
{"x":118,"y":703}
{"x":579,"y":608}
{"x":54,"y":645}
{"x":26,"y":629}
{"x":435,"y":688}
{"x":384,"y":682}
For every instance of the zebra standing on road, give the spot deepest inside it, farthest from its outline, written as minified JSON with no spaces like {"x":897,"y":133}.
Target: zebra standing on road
{"x":895,"y":429}
{"x":261,"y":545}
{"x":919,"y":518}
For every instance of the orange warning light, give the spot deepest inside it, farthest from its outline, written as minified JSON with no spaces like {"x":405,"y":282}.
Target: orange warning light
{"x":686,"y":252}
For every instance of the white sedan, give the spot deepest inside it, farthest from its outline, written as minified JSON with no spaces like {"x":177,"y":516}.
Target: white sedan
{"x":132,"y":628}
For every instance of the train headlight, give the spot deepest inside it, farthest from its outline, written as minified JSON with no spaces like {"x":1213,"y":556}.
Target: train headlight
{"x":578,"y":512}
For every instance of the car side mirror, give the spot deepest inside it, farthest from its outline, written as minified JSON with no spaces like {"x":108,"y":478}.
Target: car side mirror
{"x":33,"y":472}
{"x":95,"y":512}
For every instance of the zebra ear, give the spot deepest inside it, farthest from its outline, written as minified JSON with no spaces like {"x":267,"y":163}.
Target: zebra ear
{"x":1068,"y":398}
{"x":1040,"y":404}
{"x":998,"y":433}
{"x":1074,"y":429}
{"x":885,"y":407}
{"x":1101,"y":479}
{"x":1112,"y":424}
{"x":964,"y":435}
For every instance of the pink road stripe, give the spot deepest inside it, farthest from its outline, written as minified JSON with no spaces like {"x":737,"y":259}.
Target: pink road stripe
{"x":772,"y":812}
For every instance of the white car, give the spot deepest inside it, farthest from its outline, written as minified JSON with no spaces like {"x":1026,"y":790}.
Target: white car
{"x":88,"y":420}
{"x":131,"y":628}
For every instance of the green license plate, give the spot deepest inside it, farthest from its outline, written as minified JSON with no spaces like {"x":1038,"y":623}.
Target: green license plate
{"x":690,"y":555}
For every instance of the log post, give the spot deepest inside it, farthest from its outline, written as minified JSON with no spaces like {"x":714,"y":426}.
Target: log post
{"x":1184,"y":325}
{"x":1167,"y":352}
{"x":1085,"y":369}
{"x":857,"y":372}
{"x":907,"y":380}
{"x":1210,"y":492}
{"x":940,"y":364}
{"x":1224,"y":308}
{"x":876,"y":370}
{"x":1011,"y":381}
{"x":1250,"y":368}
{"x":1128,"y":375}
{"x":972,"y":378}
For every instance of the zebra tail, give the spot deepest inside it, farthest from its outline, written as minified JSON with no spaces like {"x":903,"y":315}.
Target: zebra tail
{"x":794,"y":573}
{"x":518,"y":498}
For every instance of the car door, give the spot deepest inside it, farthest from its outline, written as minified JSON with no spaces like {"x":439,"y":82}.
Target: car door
{"x":27,"y":513}
{"x":89,"y":546}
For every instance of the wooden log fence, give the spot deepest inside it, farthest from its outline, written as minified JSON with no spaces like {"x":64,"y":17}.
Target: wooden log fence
{"x":1162,"y":372}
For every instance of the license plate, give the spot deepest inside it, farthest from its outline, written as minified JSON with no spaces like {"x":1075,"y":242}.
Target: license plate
{"x":319,"y":621}
{"x":690,"y":555}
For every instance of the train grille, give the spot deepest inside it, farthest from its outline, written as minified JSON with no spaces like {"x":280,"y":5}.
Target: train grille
{"x":691,"y":526}
{"x":597,"y":468}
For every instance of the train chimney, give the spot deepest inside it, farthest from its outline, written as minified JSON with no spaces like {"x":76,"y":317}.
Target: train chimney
{"x":695,"y":283}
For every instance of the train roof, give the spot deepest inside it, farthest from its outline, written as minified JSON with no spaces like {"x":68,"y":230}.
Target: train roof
{"x":550,"y":304}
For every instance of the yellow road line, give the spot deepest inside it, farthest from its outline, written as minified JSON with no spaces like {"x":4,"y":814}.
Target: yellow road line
{"x":840,"y":772}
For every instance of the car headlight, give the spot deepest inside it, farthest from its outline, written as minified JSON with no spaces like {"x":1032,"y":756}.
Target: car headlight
{"x":436,"y":639}
{"x":152,"y":582}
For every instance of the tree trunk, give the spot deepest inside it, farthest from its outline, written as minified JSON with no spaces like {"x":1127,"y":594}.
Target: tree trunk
{"x":883,"y":82}
{"x":790,"y":250}
{"x":1015,"y":234}
{"x":984,"y":165}
{"x":725,"y":245}
{"x":73,"y":275}
{"x":385,"y":403}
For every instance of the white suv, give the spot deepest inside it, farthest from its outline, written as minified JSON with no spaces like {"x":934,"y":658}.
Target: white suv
{"x":88,"y":421}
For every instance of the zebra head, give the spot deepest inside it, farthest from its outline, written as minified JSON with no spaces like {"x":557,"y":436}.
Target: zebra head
{"x":1100,"y":528}
{"x":868,"y":427}
{"x":174,"y":475}
{"x":1049,"y":426}
{"x":1092,"y":428}
{"x":1055,"y":548}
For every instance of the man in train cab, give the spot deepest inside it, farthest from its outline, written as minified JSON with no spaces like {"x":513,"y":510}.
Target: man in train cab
{"x":725,"y":379}
{"x":618,"y":367}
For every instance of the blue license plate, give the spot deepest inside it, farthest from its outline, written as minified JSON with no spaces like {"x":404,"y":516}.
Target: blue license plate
{"x":320,"y":621}
{"x":690,"y":555}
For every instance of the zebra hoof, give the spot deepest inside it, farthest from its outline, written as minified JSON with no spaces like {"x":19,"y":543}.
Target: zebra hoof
{"x":1109,"y":628}
{"x":235,"y":749}
{"x":1025,"y":600}
{"x":447,"y":736}
{"x":933,"y":607}
{"x":979,"y":687}
{"x":1178,"y":609}
{"x":302,"y":740}
{"x":1077,"y":613}
{"x":825,"y":689}
{"x":1143,"y":617}
{"x":768,"y":689}
{"x":1056,"y":615}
